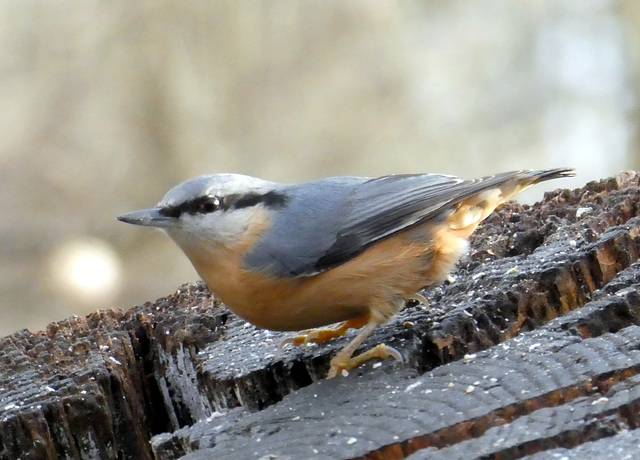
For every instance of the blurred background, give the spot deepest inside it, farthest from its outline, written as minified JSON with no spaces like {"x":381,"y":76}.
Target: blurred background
{"x":105,"y":105}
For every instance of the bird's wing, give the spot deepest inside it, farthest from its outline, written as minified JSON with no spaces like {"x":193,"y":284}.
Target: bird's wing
{"x":384,"y":206}
{"x":333,"y":220}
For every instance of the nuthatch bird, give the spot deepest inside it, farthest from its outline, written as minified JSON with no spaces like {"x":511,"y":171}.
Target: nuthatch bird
{"x":352,"y":250}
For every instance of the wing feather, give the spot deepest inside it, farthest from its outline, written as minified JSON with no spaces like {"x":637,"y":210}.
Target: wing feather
{"x":333,"y":220}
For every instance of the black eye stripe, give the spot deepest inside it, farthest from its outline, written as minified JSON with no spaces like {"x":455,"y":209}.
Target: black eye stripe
{"x":200,"y":205}
{"x":273,"y":200}
{"x":170,"y":211}
{"x":209,"y":204}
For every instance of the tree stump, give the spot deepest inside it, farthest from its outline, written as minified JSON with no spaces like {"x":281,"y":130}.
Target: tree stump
{"x":531,"y":349}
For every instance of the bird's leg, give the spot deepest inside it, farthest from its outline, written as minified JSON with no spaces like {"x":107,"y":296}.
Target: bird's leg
{"x":324,"y":334}
{"x":345,"y":360}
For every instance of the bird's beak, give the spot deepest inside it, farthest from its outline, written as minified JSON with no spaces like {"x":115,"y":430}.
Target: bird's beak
{"x":148,"y":218}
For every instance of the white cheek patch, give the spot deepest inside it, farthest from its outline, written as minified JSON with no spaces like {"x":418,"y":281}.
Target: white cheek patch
{"x":220,"y":228}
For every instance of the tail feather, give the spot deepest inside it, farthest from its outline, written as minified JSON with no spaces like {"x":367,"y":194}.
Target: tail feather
{"x":548,"y":174}
{"x":475,"y":208}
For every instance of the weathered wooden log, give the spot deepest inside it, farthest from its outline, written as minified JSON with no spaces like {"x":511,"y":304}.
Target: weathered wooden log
{"x":532,"y":348}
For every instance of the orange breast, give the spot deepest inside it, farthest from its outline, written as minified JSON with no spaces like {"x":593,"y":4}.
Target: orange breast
{"x":367,"y":284}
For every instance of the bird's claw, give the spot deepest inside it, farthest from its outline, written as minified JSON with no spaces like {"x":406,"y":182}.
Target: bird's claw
{"x":322,"y":334}
{"x":341,"y":362}
{"x":418,"y":298}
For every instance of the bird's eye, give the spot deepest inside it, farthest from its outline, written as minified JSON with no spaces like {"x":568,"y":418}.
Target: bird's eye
{"x":210,"y":205}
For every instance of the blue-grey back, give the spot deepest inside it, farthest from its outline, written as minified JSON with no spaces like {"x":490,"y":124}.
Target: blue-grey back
{"x":328,"y":221}
{"x":306,"y":227}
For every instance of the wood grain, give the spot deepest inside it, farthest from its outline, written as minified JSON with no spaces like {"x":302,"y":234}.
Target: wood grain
{"x":533,"y":349}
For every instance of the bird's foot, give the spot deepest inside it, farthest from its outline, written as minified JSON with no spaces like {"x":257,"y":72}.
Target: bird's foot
{"x":344,"y":361}
{"x":323,"y":334}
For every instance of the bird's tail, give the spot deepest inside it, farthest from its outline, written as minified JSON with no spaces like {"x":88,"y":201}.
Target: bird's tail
{"x":492,"y":191}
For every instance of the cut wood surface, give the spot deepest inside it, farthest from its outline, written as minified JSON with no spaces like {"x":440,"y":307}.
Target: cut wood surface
{"x":532,"y":349}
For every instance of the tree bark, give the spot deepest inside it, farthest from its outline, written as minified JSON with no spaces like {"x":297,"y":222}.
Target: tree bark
{"x":531,"y":349}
